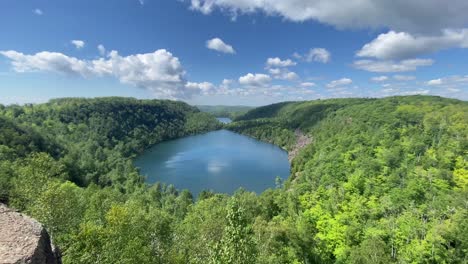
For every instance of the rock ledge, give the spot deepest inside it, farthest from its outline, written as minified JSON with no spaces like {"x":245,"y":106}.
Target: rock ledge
{"x":24,"y":240}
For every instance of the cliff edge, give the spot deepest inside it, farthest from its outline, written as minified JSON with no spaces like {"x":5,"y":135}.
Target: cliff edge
{"x":24,"y":240}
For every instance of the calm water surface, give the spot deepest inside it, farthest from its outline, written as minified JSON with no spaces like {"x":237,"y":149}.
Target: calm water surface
{"x":221,"y":161}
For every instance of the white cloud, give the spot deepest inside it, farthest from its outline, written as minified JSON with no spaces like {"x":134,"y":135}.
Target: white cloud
{"x":159,"y":72}
{"x":219,"y":45}
{"x":435,"y":82}
{"x":401,"y":15}
{"x":415,"y":92}
{"x":340,"y":82}
{"x":274,"y":71}
{"x":142,"y":2}
{"x":48,"y":61}
{"x":319,"y":55}
{"x":459,"y":79}
{"x":226,"y":84}
{"x":308,"y":84}
{"x":290,"y":76}
{"x":384,"y":78}
{"x":451,"y":86}
{"x":454,"y":90}
{"x":392,"y":66}
{"x":256,"y":80}
{"x":283,"y":74}
{"x":204,"y":87}
{"x":79,"y":44}
{"x":279,"y":92}
{"x":402,"y":45}
{"x":379,"y":78}
{"x":454,"y":86}
{"x":101,"y":49}
{"x":297,"y":55}
{"x":277,"y":62}
{"x":38,"y":12}
{"x":454,"y":80}
{"x":277,"y":69}
{"x":415,"y":27}
{"x":404,"y":77}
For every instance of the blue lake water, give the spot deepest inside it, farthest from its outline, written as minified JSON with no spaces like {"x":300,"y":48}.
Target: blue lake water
{"x":221,"y":161}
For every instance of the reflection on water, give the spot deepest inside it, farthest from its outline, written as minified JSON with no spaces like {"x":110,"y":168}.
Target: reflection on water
{"x":221,"y":161}
{"x":216,"y":166}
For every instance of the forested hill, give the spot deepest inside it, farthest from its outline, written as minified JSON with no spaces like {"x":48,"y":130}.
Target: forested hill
{"x":94,"y":138}
{"x":383,"y":179}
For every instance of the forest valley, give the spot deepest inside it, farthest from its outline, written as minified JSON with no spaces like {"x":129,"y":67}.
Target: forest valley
{"x":382,"y":181}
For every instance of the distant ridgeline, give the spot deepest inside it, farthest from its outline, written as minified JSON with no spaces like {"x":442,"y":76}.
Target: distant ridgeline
{"x":225,"y":111}
{"x":376,"y":181}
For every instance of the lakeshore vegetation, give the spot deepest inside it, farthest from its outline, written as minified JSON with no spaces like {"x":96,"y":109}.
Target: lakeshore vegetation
{"x":382,"y":181}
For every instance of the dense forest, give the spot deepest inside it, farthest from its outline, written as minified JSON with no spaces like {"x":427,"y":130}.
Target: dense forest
{"x":383,"y":181}
{"x":224,"y":110}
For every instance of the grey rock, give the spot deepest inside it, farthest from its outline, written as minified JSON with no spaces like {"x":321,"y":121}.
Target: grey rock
{"x":24,"y":240}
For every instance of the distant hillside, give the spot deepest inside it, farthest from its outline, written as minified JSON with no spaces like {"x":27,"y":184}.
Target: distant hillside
{"x":224,"y":111}
{"x":68,"y":163}
{"x":18,"y":141}
{"x":377,"y":180}
{"x":88,"y":132}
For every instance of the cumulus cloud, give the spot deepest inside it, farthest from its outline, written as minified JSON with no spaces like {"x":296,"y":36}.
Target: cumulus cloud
{"x":218,"y":44}
{"x":159,"y":72}
{"x":416,"y":27}
{"x":226,"y":83}
{"x":391,"y":66}
{"x":379,"y":78}
{"x":308,"y":84}
{"x":297,"y":55}
{"x":450,"y":86}
{"x":340,"y":82}
{"x":277,"y":62}
{"x":276,"y":92}
{"x":48,"y":61}
{"x":414,"y":92}
{"x":404,"y":77}
{"x":79,"y":44}
{"x":450,"y":81}
{"x":283,"y":74}
{"x":38,"y":12}
{"x":319,"y":55}
{"x":256,"y":80}
{"x":454,"y":86}
{"x":403,"y":45}
{"x":435,"y":82}
{"x":400,"y":15}
{"x":204,"y":87}
{"x":101,"y":49}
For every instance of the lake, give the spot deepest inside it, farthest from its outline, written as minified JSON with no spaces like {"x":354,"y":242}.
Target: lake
{"x":221,"y":161}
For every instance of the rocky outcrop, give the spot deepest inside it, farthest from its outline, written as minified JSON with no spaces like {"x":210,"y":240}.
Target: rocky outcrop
{"x":302,"y":140}
{"x":24,"y":240}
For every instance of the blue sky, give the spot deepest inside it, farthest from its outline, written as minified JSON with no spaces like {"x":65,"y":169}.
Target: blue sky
{"x":232,"y":52}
